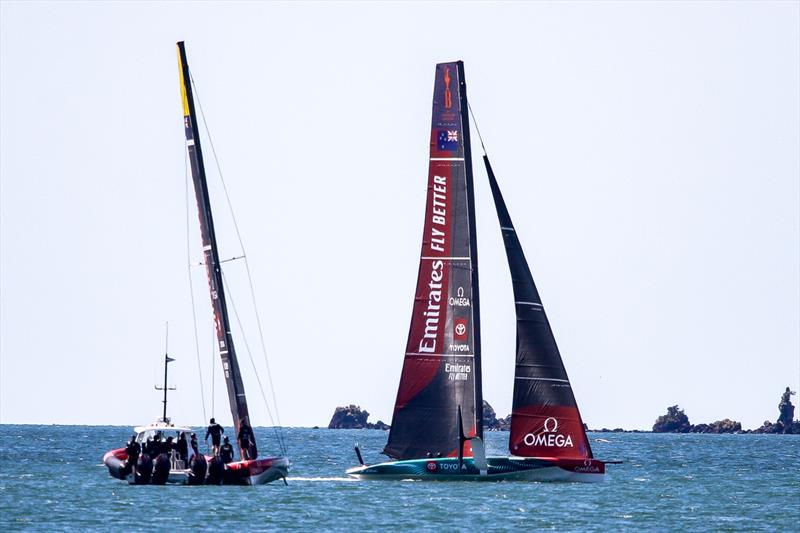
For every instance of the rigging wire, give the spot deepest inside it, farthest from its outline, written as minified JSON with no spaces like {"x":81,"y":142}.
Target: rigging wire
{"x":191,"y":290}
{"x":477,"y":129}
{"x":247,"y":267}
{"x":213,"y":366}
{"x":229,"y":292}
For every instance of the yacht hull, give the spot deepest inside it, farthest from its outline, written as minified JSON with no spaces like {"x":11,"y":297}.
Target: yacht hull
{"x":499,"y":469}
{"x":256,"y":471}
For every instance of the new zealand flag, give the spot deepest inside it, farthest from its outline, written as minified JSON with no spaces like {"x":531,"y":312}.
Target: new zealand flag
{"x":447,"y":141}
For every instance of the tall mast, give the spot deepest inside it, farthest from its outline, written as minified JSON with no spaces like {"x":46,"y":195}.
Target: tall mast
{"x":230,"y":365}
{"x":473,"y":251}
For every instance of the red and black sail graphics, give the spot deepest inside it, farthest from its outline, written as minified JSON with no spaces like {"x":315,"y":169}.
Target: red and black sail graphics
{"x":545,"y":421}
{"x":441,"y":369}
{"x":230,"y":366}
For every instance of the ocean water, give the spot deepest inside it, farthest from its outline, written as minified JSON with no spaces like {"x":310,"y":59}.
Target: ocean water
{"x":52,"y":479}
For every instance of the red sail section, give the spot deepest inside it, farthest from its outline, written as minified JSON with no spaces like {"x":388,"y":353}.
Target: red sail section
{"x":545,"y":421}
{"x":439,"y":370}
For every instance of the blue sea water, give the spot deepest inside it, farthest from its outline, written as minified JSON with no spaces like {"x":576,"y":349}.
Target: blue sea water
{"x":52,"y":479}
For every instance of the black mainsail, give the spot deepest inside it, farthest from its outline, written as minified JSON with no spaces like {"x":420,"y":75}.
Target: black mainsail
{"x":441,"y":370}
{"x":545,"y":421}
{"x":230,"y":365}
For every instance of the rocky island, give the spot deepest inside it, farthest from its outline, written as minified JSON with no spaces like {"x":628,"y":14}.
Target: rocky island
{"x":353,"y":417}
{"x":676,"y":421}
{"x":491,"y":422}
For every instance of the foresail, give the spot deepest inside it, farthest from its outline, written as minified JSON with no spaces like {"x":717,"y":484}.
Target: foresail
{"x":441,"y":369}
{"x":545,"y":421}
{"x":230,"y":365}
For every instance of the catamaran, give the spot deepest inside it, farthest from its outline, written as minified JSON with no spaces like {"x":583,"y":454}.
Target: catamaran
{"x":437,"y":431}
{"x":251,"y":469}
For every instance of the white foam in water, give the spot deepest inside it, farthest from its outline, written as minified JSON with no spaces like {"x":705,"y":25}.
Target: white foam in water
{"x":321,"y":479}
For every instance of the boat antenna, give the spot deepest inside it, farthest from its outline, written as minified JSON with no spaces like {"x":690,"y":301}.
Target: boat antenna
{"x":165,"y":388}
{"x":476,"y":128}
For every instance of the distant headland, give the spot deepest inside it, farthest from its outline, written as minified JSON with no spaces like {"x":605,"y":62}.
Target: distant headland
{"x":674,"y":421}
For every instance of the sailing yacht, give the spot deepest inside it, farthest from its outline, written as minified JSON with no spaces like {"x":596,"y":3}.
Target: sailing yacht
{"x":437,"y":430}
{"x":250,"y":469}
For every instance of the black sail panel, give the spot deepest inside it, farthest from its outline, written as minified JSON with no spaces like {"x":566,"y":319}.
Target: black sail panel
{"x":230,"y":365}
{"x":545,"y":421}
{"x":441,"y":369}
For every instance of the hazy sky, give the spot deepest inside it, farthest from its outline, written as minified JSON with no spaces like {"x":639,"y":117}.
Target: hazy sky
{"x":649,"y":154}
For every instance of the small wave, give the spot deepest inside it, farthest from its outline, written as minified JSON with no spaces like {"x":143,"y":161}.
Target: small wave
{"x":321,"y":479}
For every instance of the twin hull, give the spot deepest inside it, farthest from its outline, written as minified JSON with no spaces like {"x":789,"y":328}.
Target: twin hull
{"x":499,"y":469}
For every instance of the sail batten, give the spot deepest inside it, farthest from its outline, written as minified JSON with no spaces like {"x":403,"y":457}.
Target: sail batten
{"x":225,"y":345}
{"x":545,"y":421}
{"x":441,"y":368}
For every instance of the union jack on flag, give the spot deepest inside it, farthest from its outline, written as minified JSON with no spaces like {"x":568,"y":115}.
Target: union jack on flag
{"x":447,"y":140}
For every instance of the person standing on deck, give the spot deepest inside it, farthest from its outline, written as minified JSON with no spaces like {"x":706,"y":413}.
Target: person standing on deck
{"x":216,"y":431}
{"x":133,"y":449}
{"x":245,"y":439}
{"x":193,"y":444}
{"x":182,"y":447}
{"x":226,"y":452}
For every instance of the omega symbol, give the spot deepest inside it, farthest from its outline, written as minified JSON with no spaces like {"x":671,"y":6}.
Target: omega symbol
{"x":547,"y":428}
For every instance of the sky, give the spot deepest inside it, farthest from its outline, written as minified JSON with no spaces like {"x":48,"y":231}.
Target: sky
{"x":649,"y":154}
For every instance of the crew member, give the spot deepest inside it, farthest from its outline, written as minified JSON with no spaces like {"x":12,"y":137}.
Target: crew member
{"x":216,"y":431}
{"x":182,"y":447}
{"x":156,"y":447}
{"x":245,"y":439}
{"x":226,"y":451}
{"x":193,"y":444}
{"x":169,"y":446}
{"x":133,"y":449}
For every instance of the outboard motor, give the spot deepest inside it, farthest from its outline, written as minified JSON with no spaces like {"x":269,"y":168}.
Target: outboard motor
{"x":197,"y":470}
{"x":126,"y":468}
{"x":216,"y":471}
{"x":144,"y":470}
{"x":161,"y":470}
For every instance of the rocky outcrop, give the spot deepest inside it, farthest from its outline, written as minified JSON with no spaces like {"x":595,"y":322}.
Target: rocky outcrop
{"x":675,"y":421}
{"x":380,"y":424}
{"x":353,"y":417}
{"x":491,"y":422}
{"x":720,"y":426}
{"x":779,"y":427}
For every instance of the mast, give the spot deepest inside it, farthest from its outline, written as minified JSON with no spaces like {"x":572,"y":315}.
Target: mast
{"x":167,"y":361}
{"x":473,"y":250}
{"x":439,"y":388}
{"x":230,"y":365}
{"x":545,"y":420}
